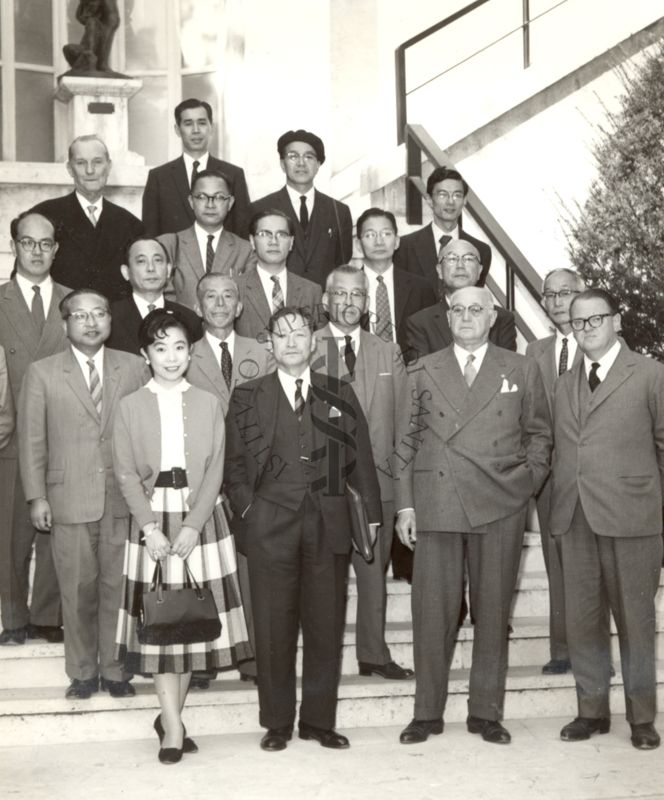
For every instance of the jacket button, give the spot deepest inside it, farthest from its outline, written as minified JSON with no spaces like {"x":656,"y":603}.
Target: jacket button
{"x":442,"y":474}
{"x":440,"y":414}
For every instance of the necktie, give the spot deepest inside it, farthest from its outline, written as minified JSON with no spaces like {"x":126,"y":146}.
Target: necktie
{"x":37,"y":308}
{"x":277,"y":294}
{"x":299,"y":399}
{"x":194,"y":172}
{"x":444,"y":239}
{"x":151,"y":307}
{"x":593,"y":378}
{"x":349,"y":355}
{"x":383,"y":317}
{"x":564,"y":355}
{"x":226,"y":363}
{"x":469,"y":371}
{"x":92,"y":213}
{"x":209,"y":253}
{"x":304,"y":212}
{"x":95,"y":386}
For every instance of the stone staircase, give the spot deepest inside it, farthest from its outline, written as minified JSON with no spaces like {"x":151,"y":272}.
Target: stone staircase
{"x":33,"y":709}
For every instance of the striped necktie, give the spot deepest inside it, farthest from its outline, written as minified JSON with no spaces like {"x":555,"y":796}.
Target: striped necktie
{"x":299,"y":399}
{"x":209,"y":253}
{"x":95,"y":385}
{"x":383,"y":316}
{"x":277,"y":294}
{"x":92,"y":213}
{"x":469,"y":371}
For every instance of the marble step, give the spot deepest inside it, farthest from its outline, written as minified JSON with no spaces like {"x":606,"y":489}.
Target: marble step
{"x":42,"y":715}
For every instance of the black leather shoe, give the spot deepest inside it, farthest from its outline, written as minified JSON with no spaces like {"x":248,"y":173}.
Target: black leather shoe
{"x":582,"y":727}
{"x":82,"y":690}
{"x":188,"y":745}
{"x":170,"y":755}
{"x":419,"y":730}
{"x":644,"y":736}
{"x":51,"y":633}
{"x":557,"y":666}
{"x":248,"y":678}
{"x":490,"y":729}
{"x":13,"y":636}
{"x":276,"y":739}
{"x":117,"y":688}
{"x":327,"y":738}
{"x":390,"y":671}
{"x":199,"y":682}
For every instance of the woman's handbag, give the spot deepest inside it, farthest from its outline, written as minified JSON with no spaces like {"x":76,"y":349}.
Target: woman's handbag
{"x":177,"y":616}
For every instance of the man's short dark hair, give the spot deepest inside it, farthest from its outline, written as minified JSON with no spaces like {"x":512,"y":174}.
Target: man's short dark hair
{"x":65,"y":303}
{"x":291,"y":311}
{"x":144,"y":239}
{"x":14,"y":224}
{"x":213,"y":173}
{"x":597,"y":293}
{"x":270,"y":212}
{"x":375,"y":212}
{"x":192,"y":102}
{"x":441,"y":174}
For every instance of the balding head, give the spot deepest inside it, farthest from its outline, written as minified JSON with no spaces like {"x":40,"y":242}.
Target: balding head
{"x":460,"y":265}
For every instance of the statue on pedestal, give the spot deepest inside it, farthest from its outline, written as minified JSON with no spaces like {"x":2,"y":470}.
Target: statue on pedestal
{"x":101,"y":19}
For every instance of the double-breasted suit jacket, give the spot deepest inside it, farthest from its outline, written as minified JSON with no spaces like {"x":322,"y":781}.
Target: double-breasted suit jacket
{"x":126,"y":320}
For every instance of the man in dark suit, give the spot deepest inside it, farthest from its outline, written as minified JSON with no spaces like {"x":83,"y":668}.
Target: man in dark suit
{"x":166,"y":207}
{"x":555,"y":355}
{"x":606,"y":507}
{"x":206,"y":246}
{"x":402,"y":292}
{"x":66,"y":411}
{"x":429,"y":330}
{"x":474,"y":442}
{"x":92,"y":232}
{"x":148,"y":270}
{"x":270,"y":285}
{"x":322,"y":226}
{"x":294,"y":439}
{"x":30,"y":329}
{"x":420,"y":251}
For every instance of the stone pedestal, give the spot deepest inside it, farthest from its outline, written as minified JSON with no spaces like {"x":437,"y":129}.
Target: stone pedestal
{"x":99,"y":105}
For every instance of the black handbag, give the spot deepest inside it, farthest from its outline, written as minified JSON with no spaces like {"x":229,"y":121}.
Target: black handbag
{"x":177,"y":616}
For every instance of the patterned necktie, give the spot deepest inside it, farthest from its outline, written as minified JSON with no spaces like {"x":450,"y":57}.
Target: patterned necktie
{"x":564,"y":355}
{"x":383,"y":317}
{"x":277,"y":294}
{"x":226,"y":363}
{"x":37,"y":308}
{"x":299,"y":399}
{"x":209,"y":253}
{"x":469,"y":371}
{"x":444,"y":239}
{"x":593,"y":377}
{"x":95,"y":386}
{"x":349,"y":355}
{"x":194,"y":173}
{"x":304,"y":212}
{"x":92,"y":213}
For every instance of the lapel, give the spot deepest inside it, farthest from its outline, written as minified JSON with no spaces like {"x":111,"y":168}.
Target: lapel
{"x":112,"y":377}
{"x":204,"y":359}
{"x":192,"y":252}
{"x":20,"y":317}
{"x":284,"y":204}
{"x":441,"y":322}
{"x":178,"y":175}
{"x":319,"y":218}
{"x":265,"y":405}
{"x":76,"y":382}
{"x":622,"y":369}
{"x":242,"y":352}
{"x":402,"y":290}
{"x":294,"y":290}
{"x":547,"y":362}
{"x":78,"y":225}
{"x":328,"y":358}
{"x":255,"y":296}
{"x":224,"y":252}
{"x":426,"y":250}
{"x":366,"y":367}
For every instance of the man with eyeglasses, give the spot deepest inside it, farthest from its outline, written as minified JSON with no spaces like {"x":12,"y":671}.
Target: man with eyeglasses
{"x":92,"y":231}
{"x":421,"y":250}
{"x":606,"y":507}
{"x":30,"y":329}
{"x":474,"y":443}
{"x":322,"y":226}
{"x":166,"y":205}
{"x":207,"y":246}
{"x":271,"y":285}
{"x":375,"y":369}
{"x":555,"y":355}
{"x":66,"y":410}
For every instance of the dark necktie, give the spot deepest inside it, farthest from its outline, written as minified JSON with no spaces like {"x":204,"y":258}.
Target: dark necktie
{"x":469,"y":371}
{"x":349,"y":355}
{"x":226,"y":363}
{"x":304,"y":212}
{"x":37,"y":308}
{"x":95,"y":386}
{"x":299,"y":399}
{"x":383,"y":316}
{"x":564,"y":355}
{"x":277,"y":294}
{"x":209,"y":253}
{"x":593,"y":378}
{"x":444,"y":239}
{"x":151,"y":307}
{"x":194,"y":173}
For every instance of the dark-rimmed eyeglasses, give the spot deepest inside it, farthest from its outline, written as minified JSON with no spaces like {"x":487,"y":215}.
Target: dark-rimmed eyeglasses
{"x":594,"y":321}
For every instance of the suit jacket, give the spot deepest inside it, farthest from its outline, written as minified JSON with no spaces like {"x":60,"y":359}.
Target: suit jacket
{"x":418,"y":253}
{"x":544,"y":352}
{"x":610,"y":455}
{"x":232,"y":257}
{"x":250,"y":360}
{"x":472,"y":456}
{"x":338,"y":419}
{"x":137,"y":452}
{"x":256,"y":311}
{"x":381,"y":386}
{"x":22,"y":341}
{"x":166,"y":206}
{"x":328,"y":241}
{"x":429,"y":331}
{"x":89,"y":256}
{"x":126,"y":320}
{"x":64,"y":447}
{"x":7,"y":414}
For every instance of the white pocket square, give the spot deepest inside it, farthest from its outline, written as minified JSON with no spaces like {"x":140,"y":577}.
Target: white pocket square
{"x":505,"y":387}
{"x":333,"y":412}
{"x":383,"y":374}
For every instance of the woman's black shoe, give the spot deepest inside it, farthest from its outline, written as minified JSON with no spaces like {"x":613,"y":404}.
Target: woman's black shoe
{"x":188,"y":745}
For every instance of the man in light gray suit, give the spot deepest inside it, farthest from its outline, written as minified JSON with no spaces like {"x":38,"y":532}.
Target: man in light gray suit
{"x":606,"y":507}
{"x":65,"y":419}
{"x":555,"y":355}
{"x":30,"y":329}
{"x":206,"y":246}
{"x":375,"y":370}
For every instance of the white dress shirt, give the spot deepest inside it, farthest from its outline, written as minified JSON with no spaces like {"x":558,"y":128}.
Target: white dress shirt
{"x":215,"y":344}
{"x":98,"y":359}
{"x":438,"y":232}
{"x":189,"y":164}
{"x":340,"y":338}
{"x":571,"y":348}
{"x":295,"y":200}
{"x":605,"y":362}
{"x":388,"y":280}
{"x":289,"y":387}
{"x":142,"y":305}
{"x":461,"y":355}
{"x":268,"y":284}
{"x":85,"y":205}
{"x":45,"y":289}
{"x":202,"y":239}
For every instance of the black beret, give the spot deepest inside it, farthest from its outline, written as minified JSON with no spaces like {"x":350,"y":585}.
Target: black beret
{"x":302,"y":136}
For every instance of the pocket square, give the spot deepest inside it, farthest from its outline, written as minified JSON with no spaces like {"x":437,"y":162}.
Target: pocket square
{"x":505,"y":387}
{"x":333,"y":412}
{"x":384,"y":374}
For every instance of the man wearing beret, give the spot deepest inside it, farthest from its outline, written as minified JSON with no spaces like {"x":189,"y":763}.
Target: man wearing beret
{"x":323,"y":225}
